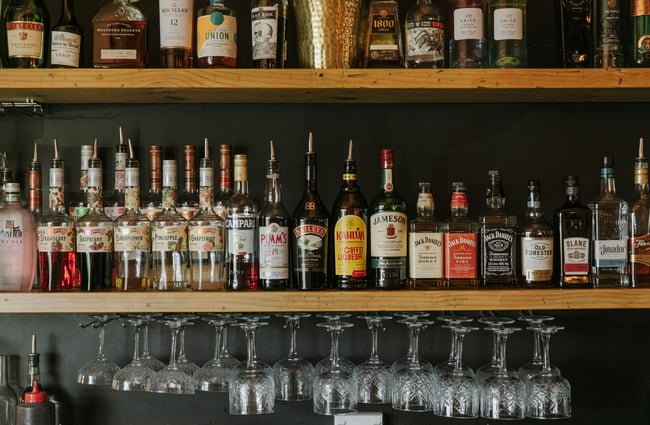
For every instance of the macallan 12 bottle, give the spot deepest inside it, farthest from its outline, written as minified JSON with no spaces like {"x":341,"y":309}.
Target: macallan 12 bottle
{"x":426,"y":259}
{"x":639,"y":225}
{"x":176,"y":30}
{"x":216,"y":36}
{"x":119,"y":36}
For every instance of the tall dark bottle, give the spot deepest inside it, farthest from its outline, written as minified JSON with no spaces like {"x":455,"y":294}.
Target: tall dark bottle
{"x":65,"y":39}
{"x":26,"y":23}
{"x":639,"y":224}
{"x":350,"y":235}
{"x":640,"y":33}
{"x":310,"y":232}
{"x":610,"y":20}
{"x":576,"y":19}
{"x":269,"y":29}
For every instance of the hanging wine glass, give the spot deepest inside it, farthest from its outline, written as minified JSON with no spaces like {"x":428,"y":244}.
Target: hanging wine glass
{"x":182,"y":362}
{"x":492,"y":368}
{"x":452,"y":320}
{"x":373,"y":375}
{"x":134,"y":376}
{"x":534,"y":367}
{"x":171,"y":379}
{"x":326,"y":363}
{"x":293,"y":375}
{"x":216,"y":373}
{"x":146,"y":358}
{"x":100,"y":370}
{"x":406,"y":360}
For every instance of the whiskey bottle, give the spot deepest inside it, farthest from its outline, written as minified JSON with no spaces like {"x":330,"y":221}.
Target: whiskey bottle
{"x":35,"y":185}
{"x":26,"y":23}
{"x":382,"y":36}
{"x":610,"y":32}
{"x":310,"y":231}
{"x":425,"y":35}
{"x":468,"y":46}
{"x":176,"y":29}
{"x":119,"y":36}
{"x":497,"y":237}
{"x":188,"y":201}
{"x":225,"y":186}
{"x":609,"y":232}
{"x":132,"y":234}
{"x":460,"y":239}
{"x":241,"y":220}
{"x":216,"y":36}
{"x":577,"y":47}
{"x":639,"y":224}
{"x":273,"y":224}
{"x":57,"y":269}
{"x":536,"y":242}
{"x":508,"y":34}
{"x":640,"y":34}
{"x":206,"y":232}
{"x":151,"y":205}
{"x":426,"y":259}
{"x":78,"y":206}
{"x":350,"y":236}
{"x":114,"y":204}
{"x":94,"y":233}
{"x":573,"y":242}
{"x":65,"y":39}
{"x":269,"y":29}
{"x":388,"y":231}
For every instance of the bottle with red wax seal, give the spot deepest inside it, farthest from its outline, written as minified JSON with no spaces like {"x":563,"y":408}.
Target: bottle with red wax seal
{"x":35,"y":410}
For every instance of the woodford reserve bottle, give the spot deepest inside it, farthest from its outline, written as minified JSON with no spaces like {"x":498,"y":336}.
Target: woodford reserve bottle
{"x":176,"y":30}
{"x":269,"y":29}
{"x":468,"y":46}
{"x":27,"y":23}
{"x":119,"y":36}
{"x":216,"y":36}
{"x":388,"y":231}
{"x":426,"y":260}
{"x":639,"y":224}
{"x":381,"y":36}
{"x":350,"y":235}
{"x":536,"y":242}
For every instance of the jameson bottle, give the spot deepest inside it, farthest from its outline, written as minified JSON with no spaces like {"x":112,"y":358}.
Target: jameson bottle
{"x":216,"y":36}
{"x":388,"y":231}
{"x":507,"y":31}
{"x":176,"y":29}
{"x":78,"y":204}
{"x":640,"y":35}
{"x":577,"y":46}
{"x":65,"y":39}
{"x":269,"y":28}
{"x":188,"y":201}
{"x":536,"y":242}
{"x":27,"y":23}
{"x":639,"y":222}
{"x":609,"y":232}
{"x":114,"y":204}
{"x":225,"y":186}
{"x":610,"y":32}
{"x":468,"y":46}
{"x":241,"y":223}
{"x":426,"y":255}
{"x":310,"y":232}
{"x":151,"y":205}
{"x":350,"y":235}
{"x":497,"y":237}
{"x":382,"y":36}
{"x":573,"y":242}
{"x":273,"y":224}
{"x":425,"y":35}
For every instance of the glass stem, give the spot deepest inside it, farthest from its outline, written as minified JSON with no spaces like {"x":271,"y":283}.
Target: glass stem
{"x":218,"y":329}
{"x":100,"y":350}
{"x":546,"y":360}
{"x":452,"y":352}
{"x":374,"y":336}
{"x":181,"y":348}
{"x":503,"y":339}
{"x":252,"y":356}
{"x":172,"y":356}
{"x":293,"y":329}
{"x":334,"y":355}
{"x":145,"y":343}
{"x":415,"y":333}
{"x":537,"y":352}
{"x":136,"y":343}
{"x":224,"y":341}
{"x":495,"y":350}
{"x":459,"y":336}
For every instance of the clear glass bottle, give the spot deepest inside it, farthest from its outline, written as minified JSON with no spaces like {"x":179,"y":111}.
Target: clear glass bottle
{"x":225,"y":185}
{"x":176,"y":30}
{"x":35,"y":185}
{"x":206,"y":233}
{"x":8,"y":399}
{"x":577,"y":44}
{"x":78,"y":206}
{"x":65,"y":39}
{"x":426,"y":254}
{"x":425,"y":35}
{"x":241,"y":223}
{"x":114,"y":203}
{"x":609,"y":232}
{"x":119,"y":36}
{"x":269,"y":33}
{"x":535,"y":242}
{"x":381,"y":35}
{"x":508,"y":34}
{"x":497,"y":243}
{"x":169,"y":238}
{"x":610,"y":27}
{"x":17,"y":243}
{"x":27,"y":24}
{"x":151,"y":205}
{"x":187,"y":204}
{"x":216,"y":39}
{"x":640,"y":224}
{"x":468,"y":45}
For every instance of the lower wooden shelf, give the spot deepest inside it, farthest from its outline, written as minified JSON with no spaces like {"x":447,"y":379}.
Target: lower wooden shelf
{"x":330,"y":300}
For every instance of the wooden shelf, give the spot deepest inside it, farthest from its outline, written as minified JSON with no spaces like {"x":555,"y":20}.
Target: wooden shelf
{"x":324,"y":86}
{"x":371,"y":300}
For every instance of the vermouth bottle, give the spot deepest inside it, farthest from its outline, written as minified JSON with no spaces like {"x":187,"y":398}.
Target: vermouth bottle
{"x":114,"y":204}
{"x":78,"y":206}
{"x":224,"y":193}
{"x":27,"y":23}
{"x":151,"y":205}
{"x":425,"y":35}
{"x":216,"y":36}
{"x":269,"y":28}
{"x":426,"y":254}
{"x":468,"y":46}
{"x":639,"y":224}
{"x":176,"y":30}
{"x":65,"y":39}
{"x":187,"y":204}
{"x":536,"y":242}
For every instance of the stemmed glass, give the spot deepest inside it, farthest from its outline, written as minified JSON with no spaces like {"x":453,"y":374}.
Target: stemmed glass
{"x":171,"y":378}
{"x":146,"y":358}
{"x":548,"y":395}
{"x":134,"y":376}
{"x":218,"y":371}
{"x":100,"y":370}
{"x":182,"y":361}
{"x":293,"y":375}
{"x":406,"y":360}
{"x":326,"y":363}
{"x":335,"y":389}
{"x":448,"y":366}
{"x":534,"y":367}
{"x":373,"y":375}
{"x":503,"y":395}
{"x":492,"y":368}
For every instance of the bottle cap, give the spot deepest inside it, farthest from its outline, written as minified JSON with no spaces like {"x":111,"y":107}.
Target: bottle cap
{"x":458,"y":186}
{"x":224,"y":156}
{"x":12,"y":187}
{"x":386,"y":158}
{"x":35,"y":396}
{"x":572,"y":181}
{"x":607,"y":161}
{"x":241,"y":160}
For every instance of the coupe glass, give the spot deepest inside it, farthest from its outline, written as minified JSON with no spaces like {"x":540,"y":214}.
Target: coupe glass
{"x":293,"y":375}
{"x":172,"y":379}
{"x":534,"y":367}
{"x":100,"y":370}
{"x":134,"y":376}
{"x":448,"y":366}
{"x":492,"y":368}
{"x":373,"y":375}
{"x":216,"y":372}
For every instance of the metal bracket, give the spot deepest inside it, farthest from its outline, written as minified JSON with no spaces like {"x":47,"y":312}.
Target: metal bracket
{"x":28,"y":107}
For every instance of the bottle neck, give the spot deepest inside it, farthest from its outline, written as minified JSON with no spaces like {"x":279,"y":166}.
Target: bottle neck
{"x":310,"y":172}
{"x":241,"y":186}
{"x":459,"y":205}
{"x":425,"y":206}
{"x":189,"y":180}
{"x":386,"y":180}
{"x":225,"y":180}
{"x":607,"y":181}
{"x":33,"y":369}
{"x":350,"y":174}
{"x":572,"y":194}
{"x":641,"y":177}
{"x":534,"y":205}
{"x":273,"y":188}
{"x":206,"y":192}
{"x":495,"y":198}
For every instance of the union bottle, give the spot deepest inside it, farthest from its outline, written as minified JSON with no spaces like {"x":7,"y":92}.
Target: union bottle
{"x":216,"y":36}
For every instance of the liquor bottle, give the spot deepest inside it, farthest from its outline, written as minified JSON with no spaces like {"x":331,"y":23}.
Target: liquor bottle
{"x":187,"y":204}
{"x":382,"y":36}
{"x":241,"y":244}
{"x":132,"y":234}
{"x":350,"y":236}
{"x":507,"y":31}
{"x":8,"y":399}
{"x":27,"y":23}
{"x":609,"y":232}
{"x":610,"y":32}
{"x":310,"y":231}
{"x":65,"y":39}
{"x":225,"y":187}
{"x":34,"y":374}
{"x":425,"y":35}
{"x":35,"y":185}
{"x":639,"y":224}
{"x":119,"y":36}
{"x":94,"y":233}
{"x":78,"y":206}
{"x":577,"y":46}
{"x":216,"y":36}
{"x":57,"y":269}
{"x":6,"y":176}
{"x":426,"y":260}
{"x":269,"y":31}
{"x":468,"y":46}
{"x":206,"y":232}
{"x":273,"y":231}
{"x":573,"y":242}
{"x":640,"y":35}
{"x":388,"y":231}
{"x":169,"y":238}
{"x":176,"y":29}
{"x":17,"y":243}
{"x":114,"y":204}
{"x":497,"y":237}
{"x":460,"y":239}
{"x":536,"y":242}
{"x":151,"y":205}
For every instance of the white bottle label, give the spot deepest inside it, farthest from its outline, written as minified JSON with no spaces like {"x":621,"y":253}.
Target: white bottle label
{"x":241,"y":234}
{"x":169,"y":238}
{"x":468,"y":23}
{"x":576,"y":256}
{"x":388,"y":234}
{"x":65,"y":47}
{"x":425,"y":255}
{"x":508,"y":24}
{"x":132,"y":238}
{"x":537,"y":258}
{"x":25,"y":39}
{"x":274,"y":252}
{"x":425,"y":38}
{"x":205,"y":238}
{"x":176,"y":18}
{"x":95,"y":239}
{"x":216,"y":35}
{"x":264,"y":25}
{"x":610,"y":253}
{"x":118,"y":54}
{"x":56,"y":239}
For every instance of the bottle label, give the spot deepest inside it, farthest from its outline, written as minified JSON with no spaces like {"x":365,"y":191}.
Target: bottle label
{"x":205,"y":238}
{"x":120,"y":165}
{"x":95,"y":178}
{"x":468,"y":23}
{"x":65,"y":49}
{"x":537,"y":258}
{"x":130,"y":36}
{"x":640,"y":250}
{"x":640,"y":7}
{"x":132,"y":238}
{"x":274,"y":252}
{"x":168,"y":197}
{"x":57,"y":178}
{"x":425,"y":200}
{"x":425,"y":39}
{"x":459,"y":200}
{"x":95,"y":239}
{"x":508,"y":24}
{"x":498,"y":246}
{"x":25,"y":39}
{"x":171,"y":237}
{"x":388,"y":234}
{"x":610,"y":23}
{"x":610,"y":253}
{"x":56,"y":196}
{"x":383,"y":36}
{"x":151,"y":212}
{"x":206,"y":196}
{"x":350,"y":246}
{"x":217,"y":35}
{"x":461,"y":255}
{"x":187,"y":212}
{"x":425,"y":255}
{"x":114,"y":212}
{"x":241,"y":234}
{"x":264,"y":23}
{"x":56,"y":239}
{"x":311,"y":248}
{"x":176,"y":24}
{"x":576,"y":256}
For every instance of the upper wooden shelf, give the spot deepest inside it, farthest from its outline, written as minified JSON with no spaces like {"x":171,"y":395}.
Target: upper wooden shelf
{"x":324,"y":86}
{"x":370,"y":300}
